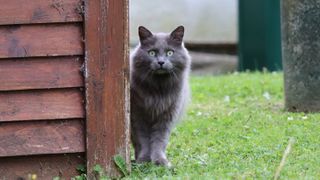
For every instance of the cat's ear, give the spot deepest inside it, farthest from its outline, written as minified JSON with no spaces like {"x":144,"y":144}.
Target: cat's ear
{"x":177,"y":34}
{"x":144,"y":33}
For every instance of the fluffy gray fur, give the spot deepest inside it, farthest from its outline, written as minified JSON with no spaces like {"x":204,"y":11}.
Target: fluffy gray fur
{"x":159,"y":91}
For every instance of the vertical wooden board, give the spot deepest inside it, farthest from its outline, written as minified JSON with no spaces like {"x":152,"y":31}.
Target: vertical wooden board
{"x":40,"y":73}
{"x":41,"y":137}
{"x":41,"y":105}
{"x":40,"y":11}
{"x":107,"y":87}
{"x":40,"y":40}
{"x":45,"y":166}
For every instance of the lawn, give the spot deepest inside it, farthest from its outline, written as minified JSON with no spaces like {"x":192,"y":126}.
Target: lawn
{"x":236,"y":128}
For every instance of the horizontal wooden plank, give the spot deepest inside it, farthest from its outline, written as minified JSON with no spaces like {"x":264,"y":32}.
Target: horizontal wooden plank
{"x":40,"y":11}
{"x":40,"y":73}
{"x":45,"y":166}
{"x":40,"y":40}
{"x":41,"y":137}
{"x":41,"y":104}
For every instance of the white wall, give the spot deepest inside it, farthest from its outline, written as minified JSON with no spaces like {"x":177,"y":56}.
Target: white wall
{"x":205,"y":20}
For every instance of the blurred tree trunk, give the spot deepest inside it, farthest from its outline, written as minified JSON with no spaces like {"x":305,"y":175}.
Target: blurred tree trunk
{"x":301,"y":54}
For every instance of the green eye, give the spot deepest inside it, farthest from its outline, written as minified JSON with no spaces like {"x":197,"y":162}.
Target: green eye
{"x":152,"y":53}
{"x":169,"y":53}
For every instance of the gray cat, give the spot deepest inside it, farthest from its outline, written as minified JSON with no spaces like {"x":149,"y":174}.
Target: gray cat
{"x":160,"y":67}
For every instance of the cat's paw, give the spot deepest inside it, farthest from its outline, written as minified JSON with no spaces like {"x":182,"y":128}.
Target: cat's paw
{"x":143,"y":160}
{"x":162,"y":162}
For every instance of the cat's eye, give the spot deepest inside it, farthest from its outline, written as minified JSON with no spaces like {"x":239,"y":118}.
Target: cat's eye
{"x":152,"y":53}
{"x":169,"y":53}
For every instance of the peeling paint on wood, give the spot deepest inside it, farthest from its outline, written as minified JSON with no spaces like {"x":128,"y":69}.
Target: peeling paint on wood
{"x":44,"y":166}
{"x":42,"y":137}
{"x":41,"y":101}
{"x":39,"y":11}
{"x":40,"y":40}
{"x":106,"y":32}
{"x":41,"y":105}
{"x":40,"y":73}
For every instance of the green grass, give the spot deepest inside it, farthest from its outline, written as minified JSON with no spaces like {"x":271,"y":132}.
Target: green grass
{"x":236,"y":128}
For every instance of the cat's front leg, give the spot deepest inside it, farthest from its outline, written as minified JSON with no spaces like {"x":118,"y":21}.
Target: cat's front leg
{"x":159,"y":140}
{"x":141,"y":143}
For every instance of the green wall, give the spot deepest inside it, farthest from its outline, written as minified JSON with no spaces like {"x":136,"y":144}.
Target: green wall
{"x":259,"y":35}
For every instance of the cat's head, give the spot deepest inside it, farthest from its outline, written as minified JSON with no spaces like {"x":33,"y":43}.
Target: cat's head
{"x":160,"y":53}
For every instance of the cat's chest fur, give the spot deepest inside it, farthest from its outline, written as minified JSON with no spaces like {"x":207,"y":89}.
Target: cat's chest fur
{"x":157,"y":105}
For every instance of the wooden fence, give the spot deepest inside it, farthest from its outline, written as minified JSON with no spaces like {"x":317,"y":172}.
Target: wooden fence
{"x":63,"y":86}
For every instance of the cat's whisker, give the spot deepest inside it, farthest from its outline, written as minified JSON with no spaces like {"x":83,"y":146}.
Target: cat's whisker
{"x":174,"y":75}
{"x":172,"y":72}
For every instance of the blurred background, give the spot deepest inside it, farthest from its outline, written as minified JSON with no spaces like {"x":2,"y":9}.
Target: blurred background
{"x":207,"y":21}
{"x":222,"y":35}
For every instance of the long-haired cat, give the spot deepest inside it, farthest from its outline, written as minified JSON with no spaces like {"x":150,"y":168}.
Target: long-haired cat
{"x":160,"y":67}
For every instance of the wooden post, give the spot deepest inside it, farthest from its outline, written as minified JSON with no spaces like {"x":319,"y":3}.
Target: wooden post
{"x":107,"y":85}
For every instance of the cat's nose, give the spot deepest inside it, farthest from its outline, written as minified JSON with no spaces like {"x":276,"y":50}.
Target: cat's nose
{"x":160,"y":63}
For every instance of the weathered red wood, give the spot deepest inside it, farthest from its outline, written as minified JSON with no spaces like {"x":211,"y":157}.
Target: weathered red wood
{"x":40,"y":11}
{"x":41,"y":137}
{"x":40,"y":40}
{"x":107,"y":87}
{"x":44,"y":166}
{"x":41,"y":104}
{"x":40,"y":73}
